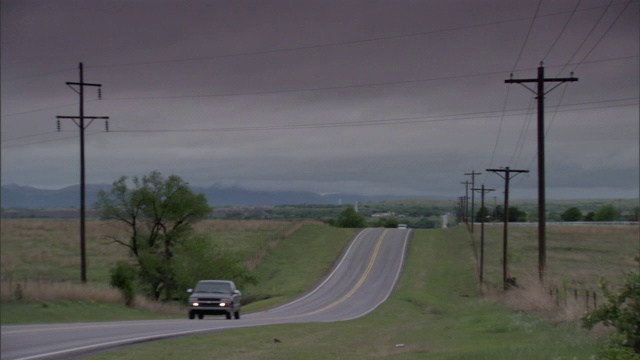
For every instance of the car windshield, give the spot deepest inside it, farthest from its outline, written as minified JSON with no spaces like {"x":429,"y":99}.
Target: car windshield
{"x":213,"y":288}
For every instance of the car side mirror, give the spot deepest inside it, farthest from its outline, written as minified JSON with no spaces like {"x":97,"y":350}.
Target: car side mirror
{"x":237,"y":292}
{"x":189,"y":291}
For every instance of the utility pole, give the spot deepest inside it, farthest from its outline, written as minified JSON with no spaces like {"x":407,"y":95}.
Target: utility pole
{"x":461,"y":203}
{"x":473,"y":184}
{"x":81,"y":125}
{"x":466,"y":201}
{"x":507,"y":176}
{"x":540,"y":93}
{"x":482,"y":191}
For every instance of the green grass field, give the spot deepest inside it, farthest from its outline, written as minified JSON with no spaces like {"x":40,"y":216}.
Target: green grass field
{"x":577,"y":256}
{"x":436,"y":311}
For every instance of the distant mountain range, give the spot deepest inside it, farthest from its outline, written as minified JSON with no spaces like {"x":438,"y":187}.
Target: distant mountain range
{"x":26,"y":197}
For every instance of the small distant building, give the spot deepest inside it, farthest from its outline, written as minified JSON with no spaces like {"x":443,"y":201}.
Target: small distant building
{"x":383,"y":215}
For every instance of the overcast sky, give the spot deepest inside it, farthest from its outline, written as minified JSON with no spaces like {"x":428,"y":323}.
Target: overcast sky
{"x":362,"y":96}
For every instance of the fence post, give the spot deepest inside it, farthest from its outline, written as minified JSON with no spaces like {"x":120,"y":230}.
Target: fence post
{"x":587,"y":299}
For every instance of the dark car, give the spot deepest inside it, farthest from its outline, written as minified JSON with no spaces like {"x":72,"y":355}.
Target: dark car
{"x":214,"y":297}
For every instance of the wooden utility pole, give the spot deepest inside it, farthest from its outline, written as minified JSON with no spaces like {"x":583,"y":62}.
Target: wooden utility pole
{"x":482,"y":191}
{"x":507,"y":176}
{"x":81,"y":124}
{"x":473,"y":174}
{"x":461,"y":203}
{"x":466,"y":201}
{"x":540,"y":93}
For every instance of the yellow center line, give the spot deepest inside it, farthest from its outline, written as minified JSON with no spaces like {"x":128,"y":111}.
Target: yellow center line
{"x":360,"y":281}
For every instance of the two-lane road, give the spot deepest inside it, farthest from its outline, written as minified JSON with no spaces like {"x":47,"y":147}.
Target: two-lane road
{"x":361,"y":280}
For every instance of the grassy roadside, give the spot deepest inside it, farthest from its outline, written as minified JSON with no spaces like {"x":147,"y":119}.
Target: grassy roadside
{"x":435,"y":313}
{"x":297,"y":264}
{"x":286,"y":271}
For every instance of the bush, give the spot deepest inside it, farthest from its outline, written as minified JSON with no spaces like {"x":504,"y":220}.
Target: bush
{"x":122,"y":277}
{"x":612,"y":350}
{"x":621,"y":310}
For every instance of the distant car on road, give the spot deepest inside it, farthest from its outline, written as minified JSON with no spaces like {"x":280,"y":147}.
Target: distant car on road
{"x":214,"y":297}
{"x":402,"y":226}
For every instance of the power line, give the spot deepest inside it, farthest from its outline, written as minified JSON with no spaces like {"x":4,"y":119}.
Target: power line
{"x":526,"y":39}
{"x":523,"y":132}
{"x":394,"y":121}
{"x":311,"y":89}
{"x":391,"y":121}
{"x":284,"y":91}
{"x":562,"y":30}
{"x":340,"y":43}
{"x":36,"y":75}
{"x":37,"y":110}
{"x":506,"y":99}
{"x":584,"y":40}
{"x":603,"y":35}
{"x":327,"y":88}
{"x":49,"y":141}
{"x":306,"y":47}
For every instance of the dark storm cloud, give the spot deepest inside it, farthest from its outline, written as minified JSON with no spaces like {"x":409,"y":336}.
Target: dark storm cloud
{"x":363,"y":96}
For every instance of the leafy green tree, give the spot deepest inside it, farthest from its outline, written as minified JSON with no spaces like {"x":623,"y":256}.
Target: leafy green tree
{"x":571,"y":214}
{"x":591,"y":216}
{"x":516,"y":215}
{"x":349,"y":218}
{"x":391,"y":223}
{"x":607,"y":213}
{"x":483,"y":213}
{"x":621,"y":310}
{"x":159,"y":214}
{"x":202,"y":258}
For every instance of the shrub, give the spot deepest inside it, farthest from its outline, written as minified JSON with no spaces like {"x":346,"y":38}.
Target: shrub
{"x":621,"y":310}
{"x":122,"y":277}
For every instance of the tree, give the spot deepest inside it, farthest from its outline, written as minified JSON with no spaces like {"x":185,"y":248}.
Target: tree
{"x":607,"y":213}
{"x":517,"y":215}
{"x":621,"y":310}
{"x":349,"y":218}
{"x":571,"y":214}
{"x":391,"y":223}
{"x":202,"y":258}
{"x":159,"y":214}
{"x":498,"y":213}
{"x":591,"y":216}
{"x":483,"y":214}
